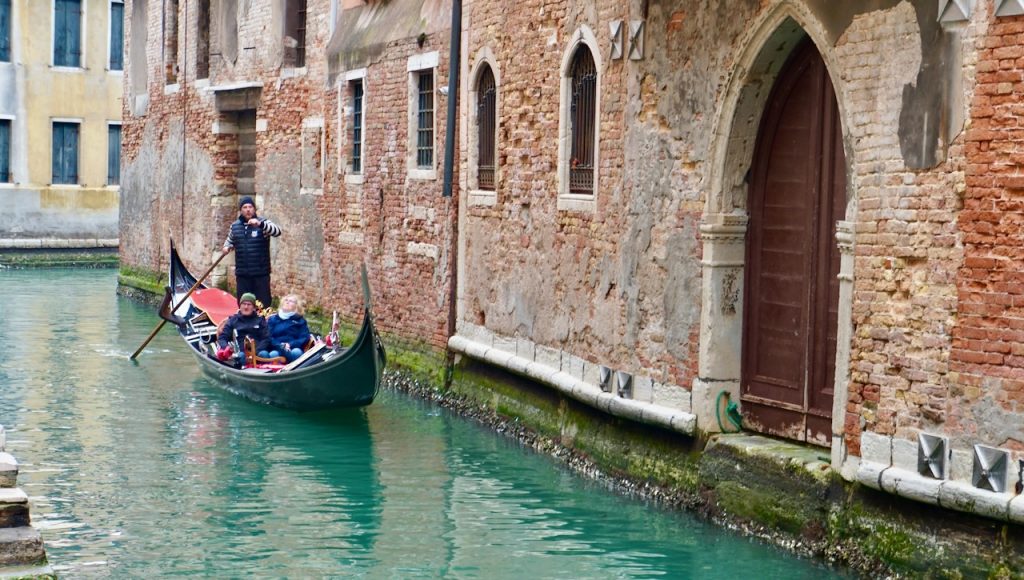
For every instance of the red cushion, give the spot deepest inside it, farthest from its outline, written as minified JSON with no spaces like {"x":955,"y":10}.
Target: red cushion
{"x":216,"y":303}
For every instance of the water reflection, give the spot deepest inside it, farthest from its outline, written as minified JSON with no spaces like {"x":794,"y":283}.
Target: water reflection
{"x":140,"y":470}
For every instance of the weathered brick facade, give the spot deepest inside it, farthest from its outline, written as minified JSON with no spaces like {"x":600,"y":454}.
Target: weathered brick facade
{"x":400,"y":228}
{"x":645,"y":276}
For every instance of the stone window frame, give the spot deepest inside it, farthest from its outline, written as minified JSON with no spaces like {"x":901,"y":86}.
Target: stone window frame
{"x":478,"y":196}
{"x":312,"y":124}
{"x":418,"y":64}
{"x":583,"y":36}
{"x":170,"y":86}
{"x":110,"y":31}
{"x":78,"y":151}
{"x":137,"y":90}
{"x":345,"y":108}
{"x":82,"y":36}
{"x":290,"y":70}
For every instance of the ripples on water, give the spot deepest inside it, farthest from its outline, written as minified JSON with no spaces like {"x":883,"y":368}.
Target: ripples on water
{"x":145,"y":470}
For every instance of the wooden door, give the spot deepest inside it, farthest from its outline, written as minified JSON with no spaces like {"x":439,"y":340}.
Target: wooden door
{"x":797,"y":193}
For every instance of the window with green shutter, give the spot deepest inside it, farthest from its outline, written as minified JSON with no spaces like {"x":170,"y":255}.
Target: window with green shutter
{"x":67,"y":33}
{"x":5,"y":30}
{"x":65,"y":153}
{"x":5,"y":150}
{"x":116,"y":36}
{"x":113,"y":155}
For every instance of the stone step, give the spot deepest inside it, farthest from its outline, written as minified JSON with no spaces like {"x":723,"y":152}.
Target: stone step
{"x":13,"y":508}
{"x":21,"y":546}
{"x":44,"y":572}
{"x":8,"y":470}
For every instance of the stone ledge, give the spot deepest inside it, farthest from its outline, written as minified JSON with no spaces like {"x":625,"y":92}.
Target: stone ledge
{"x":56,"y":243}
{"x":8,"y":470}
{"x":954,"y":495}
{"x":43,"y":572}
{"x":586,"y":393}
{"x":21,"y":546}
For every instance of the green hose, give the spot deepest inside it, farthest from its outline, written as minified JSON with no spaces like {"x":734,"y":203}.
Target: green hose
{"x":732,"y":411}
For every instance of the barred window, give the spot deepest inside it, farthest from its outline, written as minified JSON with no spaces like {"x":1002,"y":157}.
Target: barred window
{"x":295,"y":34}
{"x":486,"y":119}
{"x":357,"y":126}
{"x":425,"y":120}
{"x":583,"y":121}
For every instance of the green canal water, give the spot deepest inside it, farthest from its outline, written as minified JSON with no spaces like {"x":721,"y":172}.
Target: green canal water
{"x":148,"y":469}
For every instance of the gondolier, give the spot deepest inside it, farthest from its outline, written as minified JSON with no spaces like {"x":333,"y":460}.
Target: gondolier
{"x":249,"y":237}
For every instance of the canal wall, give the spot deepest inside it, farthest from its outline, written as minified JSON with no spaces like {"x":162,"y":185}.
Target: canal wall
{"x":21,"y":547}
{"x":785,"y":494}
{"x":661,"y":284}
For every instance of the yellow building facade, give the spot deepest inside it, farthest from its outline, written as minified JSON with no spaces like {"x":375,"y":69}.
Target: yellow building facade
{"x":61,"y":71}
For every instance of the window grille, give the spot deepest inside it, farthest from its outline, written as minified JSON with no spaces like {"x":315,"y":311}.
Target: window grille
{"x":203,"y":40}
{"x":295,"y":33}
{"x":5,"y":150}
{"x":486,"y":118}
{"x":113,"y":155}
{"x":357,"y":126}
{"x":582,"y":117}
{"x":65,"y":153}
{"x":425,"y":121}
{"x":171,"y":42}
{"x":116,"y":36}
{"x":300,"y":36}
{"x":67,"y":33}
{"x":5,"y":30}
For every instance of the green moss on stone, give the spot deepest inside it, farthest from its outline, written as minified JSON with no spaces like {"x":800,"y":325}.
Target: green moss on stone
{"x":142,"y":279}
{"x":55,"y":259}
{"x":763,"y":506}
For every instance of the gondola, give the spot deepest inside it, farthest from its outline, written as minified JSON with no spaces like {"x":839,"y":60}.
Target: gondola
{"x":326,"y":376}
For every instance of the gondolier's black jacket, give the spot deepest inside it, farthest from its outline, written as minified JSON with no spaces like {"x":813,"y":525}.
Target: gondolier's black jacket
{"x":252,"y":246}
{"x":253,"y":325}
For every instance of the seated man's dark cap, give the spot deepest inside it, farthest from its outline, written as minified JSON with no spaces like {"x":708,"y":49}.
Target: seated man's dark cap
{"x":246,"y":199}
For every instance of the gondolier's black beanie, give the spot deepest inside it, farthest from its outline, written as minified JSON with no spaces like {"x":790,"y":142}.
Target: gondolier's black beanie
{"x":246,"y":199}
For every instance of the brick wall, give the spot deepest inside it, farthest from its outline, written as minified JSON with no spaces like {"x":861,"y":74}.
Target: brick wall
{"x":313,"y":205}
{"x":986,"y":398}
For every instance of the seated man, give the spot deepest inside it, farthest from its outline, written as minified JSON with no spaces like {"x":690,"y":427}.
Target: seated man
{"x":246,"y":323}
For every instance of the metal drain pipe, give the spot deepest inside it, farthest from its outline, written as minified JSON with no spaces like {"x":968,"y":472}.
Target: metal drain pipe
{"x":453,"y":92}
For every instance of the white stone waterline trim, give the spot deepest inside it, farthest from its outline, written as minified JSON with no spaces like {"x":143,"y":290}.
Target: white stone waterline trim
{"x":955,"y":495}
{"x":57,"y":243}
{"x":584,"y":392}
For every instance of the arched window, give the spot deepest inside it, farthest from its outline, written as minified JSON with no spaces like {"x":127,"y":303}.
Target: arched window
{"x":582,"y":120}
{"x":486,"y":121}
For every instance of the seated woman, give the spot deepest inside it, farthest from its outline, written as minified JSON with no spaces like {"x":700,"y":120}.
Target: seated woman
{"x":289,"y":332}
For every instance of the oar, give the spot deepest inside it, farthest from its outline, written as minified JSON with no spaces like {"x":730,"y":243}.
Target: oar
{"x":178,"y":305}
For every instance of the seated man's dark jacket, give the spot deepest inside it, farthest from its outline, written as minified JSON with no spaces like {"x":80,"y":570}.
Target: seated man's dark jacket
{"x":253,"y":325}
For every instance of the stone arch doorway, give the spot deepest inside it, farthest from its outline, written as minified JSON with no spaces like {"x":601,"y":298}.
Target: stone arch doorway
{"x":770,"y":43}
{"x":791,"y":296}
